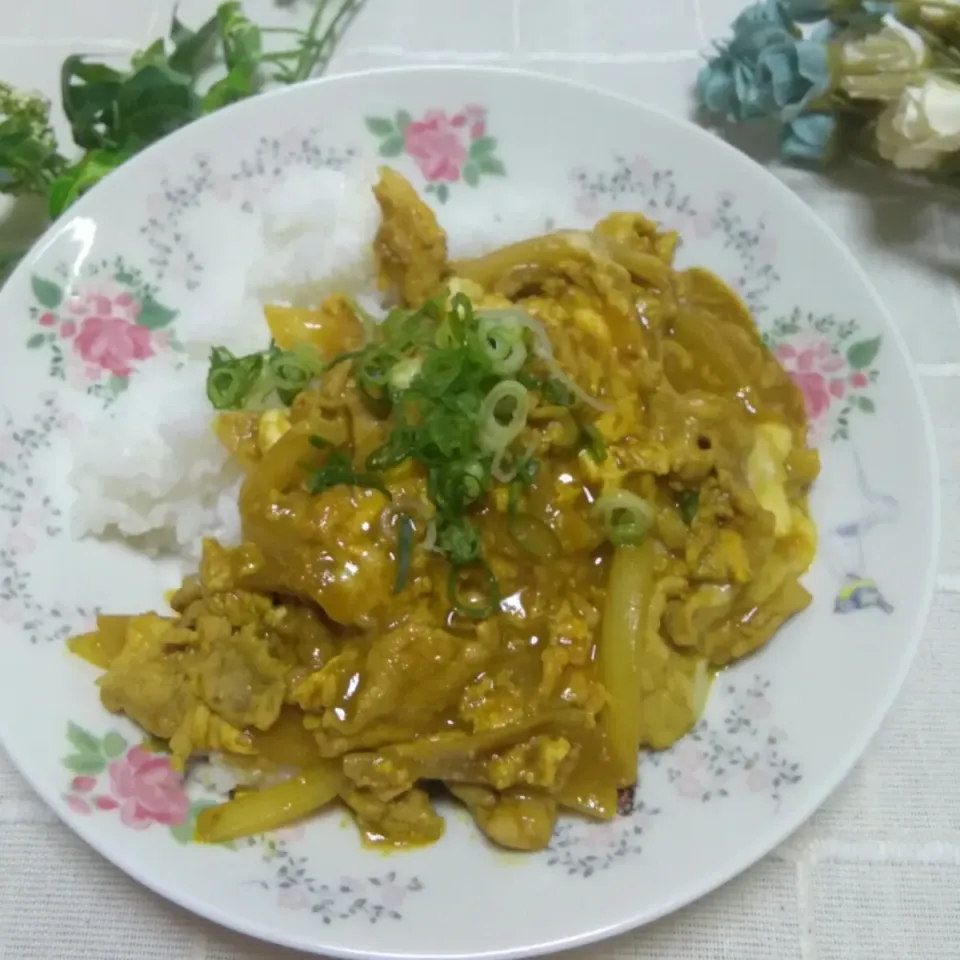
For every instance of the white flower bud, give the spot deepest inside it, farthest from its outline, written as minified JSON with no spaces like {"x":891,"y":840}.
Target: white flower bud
{"x":921,"y":127}
{"x":880,"y":65}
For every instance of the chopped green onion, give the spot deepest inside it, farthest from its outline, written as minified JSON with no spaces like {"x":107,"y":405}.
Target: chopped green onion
{"x":594,"y":443}
{"x":460,"y":540}
{"x":557,"y":393}
{"x":439,"y":371}
{"x":534,"y":536}
{"x":473,"y":482}
{"x":373,"y":371}
{"x":404,"y":552}
{"x":338,"y":471}
{"x":343,"y":358}
{"x":289,"y":372}
{"x":527,"y":468}
{"x":688,"y":503}
{"x":404,"y":373}
{"x":454,"y":486}
{"x":451,"y":333}
{"x":505,"y":466}
{"x":309,"y":358}
{"x":544,"y":350}
{"x":626,"y":518}
{"x":462,"y":309}
{"x":397,"y":448}
{"x":501,"y":339}
{"x":232,"y":380}
{"x":503,"y":415}
{"x":476,"y":600}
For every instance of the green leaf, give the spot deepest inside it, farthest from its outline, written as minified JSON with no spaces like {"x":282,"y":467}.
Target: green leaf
{"x":490,"y":165}
{"x":242,"y":53}
{"x":37,"y":340}
{"x":114,"y":745}
{"x":28,"y":151}
{"x":391,"y":147}
{"x":47,"y":292}
{"x":403,"y":120}
{"x":82,"y":740}
{"x":482,"y":146}
{"x":380,"y":126}
{"x":866,"y":404}
{"x":471,"y":175}
{"x":150,"y":104}
{"x":183,"y":832}
{"x":85,"y":764}
{"x":78,"y":178}
{"x":87,"y":90}
{"x":443,"y":192}
{"x":861,"y":354}
{"x":155,"y":53}
{"x":116,"y":385}
{"x":153,"y":315}
{"x":114,"y":111}
{"x":192,"y":50}
{"x":60,"y":195}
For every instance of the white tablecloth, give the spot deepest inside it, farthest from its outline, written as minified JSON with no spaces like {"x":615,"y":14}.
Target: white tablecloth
{"x":876,"y":873}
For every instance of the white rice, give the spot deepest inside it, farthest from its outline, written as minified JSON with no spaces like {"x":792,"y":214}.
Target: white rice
{"x":317,"y":232}
{"x":151,"y":470}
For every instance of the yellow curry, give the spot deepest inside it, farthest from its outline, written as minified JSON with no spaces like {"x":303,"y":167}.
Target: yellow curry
{"x":498,"y":541}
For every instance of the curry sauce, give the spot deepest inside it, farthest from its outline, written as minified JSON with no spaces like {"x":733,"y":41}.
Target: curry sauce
{"x":517,"y":637}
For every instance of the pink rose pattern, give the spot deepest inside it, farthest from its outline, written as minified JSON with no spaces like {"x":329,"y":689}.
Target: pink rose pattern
{"x":148,"y":790}
{"x":98,"y":330}
{"x":833,"y":365}
{"x":109,"y":343}
{"x":140,"y":787}
{"x":447,"y":148}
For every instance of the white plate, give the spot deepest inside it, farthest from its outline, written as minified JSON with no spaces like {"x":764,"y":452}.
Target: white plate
{"x":166,"y":232}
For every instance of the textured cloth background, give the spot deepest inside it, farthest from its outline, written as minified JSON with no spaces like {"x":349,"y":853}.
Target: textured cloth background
{"x":876,"y":874}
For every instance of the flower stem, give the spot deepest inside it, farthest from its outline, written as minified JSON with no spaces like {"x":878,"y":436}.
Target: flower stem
{"x":316,"y":51}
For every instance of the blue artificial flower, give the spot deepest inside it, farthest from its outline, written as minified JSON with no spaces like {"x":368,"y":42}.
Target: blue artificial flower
{"x":792,"y":74}
{"x":768,"y":13}
{"x":728,"y":83}
{"x":764,"y":71}
{"x":810,"y":136}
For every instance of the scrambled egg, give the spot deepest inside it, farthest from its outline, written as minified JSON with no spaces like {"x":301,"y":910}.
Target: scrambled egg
{"x":273,"y":425}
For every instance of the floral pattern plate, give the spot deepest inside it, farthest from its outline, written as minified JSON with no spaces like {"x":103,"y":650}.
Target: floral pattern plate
{"x":108,"y":287}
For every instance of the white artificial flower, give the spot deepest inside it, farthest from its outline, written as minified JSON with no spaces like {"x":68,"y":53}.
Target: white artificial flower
{"x":880,"y":65}
{"x":940,"y":11}
{"x":921,"y":127}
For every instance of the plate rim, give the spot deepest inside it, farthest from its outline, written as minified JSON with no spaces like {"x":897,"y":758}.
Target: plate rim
{"x":817,"y":795}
